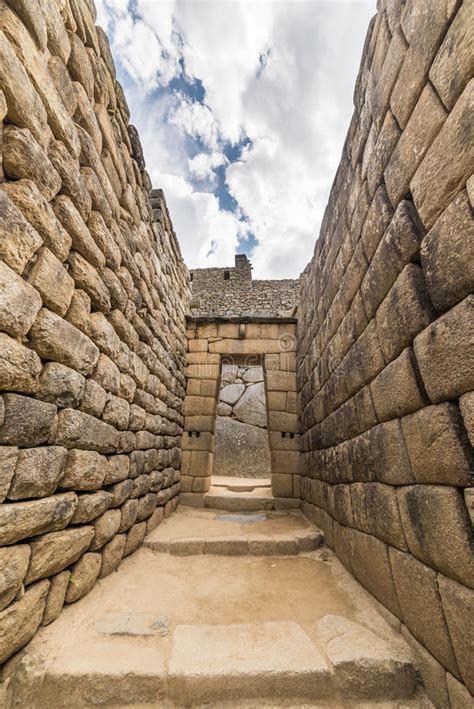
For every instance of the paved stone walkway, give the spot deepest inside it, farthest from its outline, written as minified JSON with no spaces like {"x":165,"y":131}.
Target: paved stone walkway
{"x":281,"y":629}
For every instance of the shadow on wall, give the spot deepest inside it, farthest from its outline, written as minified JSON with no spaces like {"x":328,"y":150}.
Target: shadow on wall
{"x":241,"y":447}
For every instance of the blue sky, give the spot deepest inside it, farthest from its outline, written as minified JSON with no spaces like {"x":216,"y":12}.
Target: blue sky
{"x":242,"y":108}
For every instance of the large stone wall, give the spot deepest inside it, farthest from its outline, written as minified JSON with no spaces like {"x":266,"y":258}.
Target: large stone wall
{"x":386,"y":339}
{"x":93,"y":294}
{"x":231,"y":292}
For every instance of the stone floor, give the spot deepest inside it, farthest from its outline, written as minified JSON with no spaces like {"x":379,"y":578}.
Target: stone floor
{"x":221,"y":630}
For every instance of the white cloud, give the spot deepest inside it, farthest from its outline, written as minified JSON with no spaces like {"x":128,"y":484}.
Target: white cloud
{"x":280,"y":73}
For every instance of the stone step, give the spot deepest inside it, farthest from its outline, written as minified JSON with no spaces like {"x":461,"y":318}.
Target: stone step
{"x":242,"y":500}
{"x":190,"y":531}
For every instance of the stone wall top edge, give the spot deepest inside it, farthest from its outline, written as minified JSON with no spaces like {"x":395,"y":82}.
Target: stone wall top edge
{"x":244,"y":319}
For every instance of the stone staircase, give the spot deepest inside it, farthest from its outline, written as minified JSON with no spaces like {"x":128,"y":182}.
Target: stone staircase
{"x":258,"y":613}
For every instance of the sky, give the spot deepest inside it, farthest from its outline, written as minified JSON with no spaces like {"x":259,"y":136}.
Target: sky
{"x":242,"y":107}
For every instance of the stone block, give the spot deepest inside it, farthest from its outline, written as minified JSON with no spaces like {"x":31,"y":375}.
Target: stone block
{"x":13,"y":567}
{"x":199,"y":423}
{"x":26,"y":422}
{"x":438,"y":447}
{"x":383,"y":149}
{"x":433,"y":674}
{"x":203,"y":371}
{"x":201,"y":484}
{"x":8,"y":458}
{"x":37,"y":472}
{"x":277,"y":380}
{"x":18,"y":240}
{"x":128,"y":515}
{"x":453,"y":66}
{"x":382,"y":84}
{"x":458,"y":606}
{"x":118,"y":468}
{"x":112,"y":554}
{"x":106,"y":526}
{"x":196,"y":463}
{"x":245,"y":347}
{"x":78,"y":430}
{"x":448,"y":163}
{"x":459,"y":695}
{"x":19,"y":303}
{"x":387,"y":460}
{"x":60,"y":385}
{"x":90,"y":506}
{"x":84,"y":470}
{"x":383,"y":514}
{"x":135,"y":537}
{"x":93,"y":398}
{"x":399,"y":245}
{"x":423,"y":126}
{"x":73,"y":184}
{"x":425,"y":510}
{"x":20,"y":621}
{"x":88,"y":279}
{"x":56,"y":596}
{"x":51,"y":553}
{"x":378,"y":218}
{"x":107,"y":374}
{"x":282,"y":485}
{"x":285,"y":461}
{"x":282,"y":421}
{"x":83,"y":244}
{"x":466,"y":404}
{"x":55,"y":339}
{"x":20,"y":520}
{"x":405,"y":312}
{"x":52,"y":281}
{"x":19,"y":366}
{"x":448,"y":340}
{"x":83,"y":576}
{"x":420,"y":603}
{"x":447,"y":255}
{"x":116,"y":412}
{"x":396,"y":390}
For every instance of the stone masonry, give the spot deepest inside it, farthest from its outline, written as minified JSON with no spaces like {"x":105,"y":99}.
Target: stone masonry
{"x":231,"y":291}
{"x":93,"y":294}
{"x":111,"y":364}
{"x":386,"y":339}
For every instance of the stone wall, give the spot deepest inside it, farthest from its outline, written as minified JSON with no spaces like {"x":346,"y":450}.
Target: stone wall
{"x":93,"y":293}
{"x":230,"y":291}
{"x":385,"y":339}
{"x":241,"y":434}
{"x":217,"y":343}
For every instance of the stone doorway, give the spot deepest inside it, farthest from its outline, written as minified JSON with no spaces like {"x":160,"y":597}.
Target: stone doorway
{"x":242,"y":447}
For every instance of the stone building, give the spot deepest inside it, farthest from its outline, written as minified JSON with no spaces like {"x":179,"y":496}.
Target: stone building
{"x":113,"y":365}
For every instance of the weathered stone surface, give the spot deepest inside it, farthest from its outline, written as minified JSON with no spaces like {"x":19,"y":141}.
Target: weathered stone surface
{"x":116,"y":412}
{"x":251,"y":407}
{"x":8,"y":458}
{"x":128,"y":515}
{"x":27,"y":422}
{"x":447,"y":255}
{"x":106,"y":527}
{"x":453,"y":65}
{"x":433,"y":674}
{"x":51,"y":553}
{"x":49,"y":277}
{"x":118,"y":469}
{"x":78,"y":430}
{"x":425,"y":509}
{"x":60,"y":385}
{"x":19,"y":303}
{"x":72,"y":183}
{"x":112,"y":554}
{"x":37,"y":210}
{"x":84,"y":115}
{"x":383,"y":515}
{"x":458,"y":605}
{"x":91,"y":506}
{"x":466,"y":404}
{"x":107,"y":374}
{"x":135,"y":537}
{"x":79,"y":65}
{"x":437,"y":446}
{"x":423,"y":126}
{"x":231,"y":393}
{"x":396,"y":391}
{"x":448,"y":163}
{"x":20,"y":520}
{"x":20,"y":367}
{"x":420,"y":603}
{"x":19,"y":622}
{"x":448,"y":339}
{"x":93,"y":398}
{"x":32,"y":16}
{"x":18,"y":240}
{"x":55,"y":597}
{"x":459,"y":695}
{"x":23,"y":157}
{"x":55,"y":339}
{"x":123,"y":490}
{"x":88,"y":279}
{"x":83,"y":576}
{"x":25,"y":108}
{"x":62,"y":83}
{"x":13,"y":567}
{"x":37,"y":472}
{"x":73,"y":223}
{"x":84,"y":470}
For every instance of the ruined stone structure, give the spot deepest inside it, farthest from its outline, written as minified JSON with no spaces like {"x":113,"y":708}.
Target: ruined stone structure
{"x":385,"y":339}
{"x":112,"y":357}
{"x":93,"y":293}
{"x":231,"y":292}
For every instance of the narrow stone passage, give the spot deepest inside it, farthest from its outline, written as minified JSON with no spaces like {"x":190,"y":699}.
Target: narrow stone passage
{"x":258,"y":613}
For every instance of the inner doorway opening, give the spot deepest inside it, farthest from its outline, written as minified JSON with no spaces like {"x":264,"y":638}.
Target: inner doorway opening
{"x":242,"y":448}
